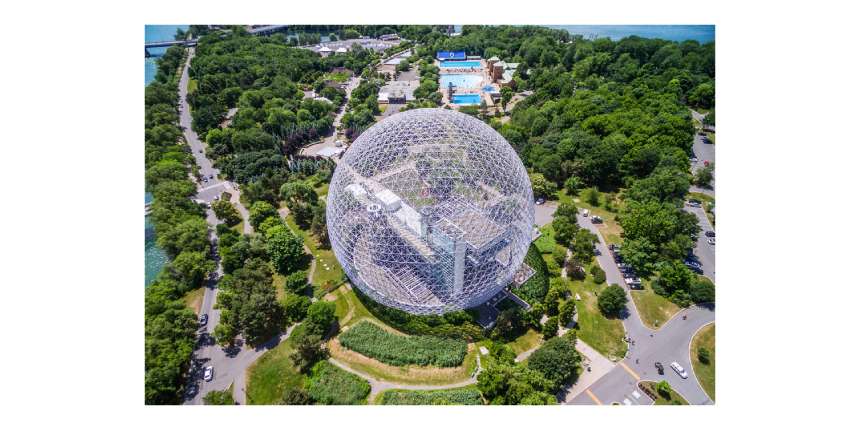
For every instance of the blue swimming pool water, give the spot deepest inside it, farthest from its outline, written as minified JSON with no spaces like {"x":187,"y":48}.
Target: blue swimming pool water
{"x":459,"y":81}
{"x":466,"y":99}
{"x":461,"y":64}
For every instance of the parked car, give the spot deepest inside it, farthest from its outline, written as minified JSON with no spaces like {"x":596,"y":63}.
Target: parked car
{"x":712,"y":241}
{"x":694,"y":203}
{"x":694,"y":159}
{"x":680,"y":370}
{"x":596,"y":219}
{"x":540,"y":201}
{"x":211,"y":176}
{"x":710,"y":233}
{"x":205,"y":179}
{"x":204,"y":319}
{"x":338,"y":143}
{"x":585,"y":213}
{"x":208,"y":373}
{"x":659,"y":367}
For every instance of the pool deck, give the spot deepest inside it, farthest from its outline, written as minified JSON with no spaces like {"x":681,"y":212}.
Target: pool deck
{"x":481,"y":71}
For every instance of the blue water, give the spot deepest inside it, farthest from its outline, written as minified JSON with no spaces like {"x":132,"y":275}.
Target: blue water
{"x":677,"y":33}
{"x":460,"y":64}
{"x":459,"y":81}
{"x":157,"y":33}
{"x":466,"y":99}
{"x":154,"y":257}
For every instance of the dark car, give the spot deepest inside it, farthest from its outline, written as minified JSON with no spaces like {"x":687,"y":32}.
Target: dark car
{"x":659,"y":367}
{"x":710,"y":233}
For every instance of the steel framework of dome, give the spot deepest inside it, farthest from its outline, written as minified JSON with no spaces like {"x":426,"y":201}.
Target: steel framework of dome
{"x":430,"y":211}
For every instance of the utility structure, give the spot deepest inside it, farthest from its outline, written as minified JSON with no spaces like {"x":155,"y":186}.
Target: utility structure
{"x":430,"y":211}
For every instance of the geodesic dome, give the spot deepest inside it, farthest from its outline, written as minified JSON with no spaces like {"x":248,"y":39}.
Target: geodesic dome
{"x":430,"y":211}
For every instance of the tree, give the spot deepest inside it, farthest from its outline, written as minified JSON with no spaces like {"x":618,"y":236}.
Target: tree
{"x":565,"y":229}
{"x":219,"y":398}
{"x":190,"y":268}
{"x":566,"y":312}
{"x":286,"y":251}
{"x":550,"y":327}
{"x":573,"y":185}
{"x":704,"y":176}
{"x":598,"y":274}
{"x":559,"y":254}
{"x":259,"y":211}
{"x":318,"y":224}
{"x":702,"y":291}
{"x":612,"y":300}
{"x":557,"y":360}
{"x":307,"y":351}
{"x":675,"y":276}
{"x":514,"y":384}
{"x":542,"y":187}
{"x":507,"y":95}
{"x":509,"y":324}
{"x":225,"y":211}
{"x":224,"y":334}
{"x":295,"y":307}
{"x":320,"y":318}
{"x":703,"y":355}
{"x":592,"y":196}
{"x":582,"y":246}
{"x":296,"y":282}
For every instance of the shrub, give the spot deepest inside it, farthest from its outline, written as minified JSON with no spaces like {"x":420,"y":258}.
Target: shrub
{"x":566,"y":312}
{"x":534,"y":290}
{"x":320,"y":317}
{"x":664,"y":389}
{"x":296,"y":396}
{"x":457,"y":396}
{"x":598,"y":274}
{"x":225,"y":211}
{"x":373,"y":341}
{"x":559,"y":254}
{"x":703,"y":355}
{"x":458,"y":324}
{"x":550,"y":328}
{"x":557,"y":360}
{"x":219,"y":398}
{"x":330,"y":385}
{"x":295,"y":307}
{"x":611,"y":300}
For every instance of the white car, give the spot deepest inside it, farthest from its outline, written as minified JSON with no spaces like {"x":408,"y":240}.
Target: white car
{"x":680,"y":370}
{"x":209,"y":372}
{"x":712,"y":241}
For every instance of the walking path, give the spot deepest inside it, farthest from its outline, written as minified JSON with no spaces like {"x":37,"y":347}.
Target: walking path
{"x":377,"y":386}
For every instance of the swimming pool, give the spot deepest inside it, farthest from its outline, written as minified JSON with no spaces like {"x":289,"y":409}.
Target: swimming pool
{"x":466,"y":99}
{"x":459,"y":81}
{"x":460,"y":64}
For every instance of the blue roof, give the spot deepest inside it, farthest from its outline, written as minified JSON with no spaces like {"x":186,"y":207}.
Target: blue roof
{"x":451,"y":55}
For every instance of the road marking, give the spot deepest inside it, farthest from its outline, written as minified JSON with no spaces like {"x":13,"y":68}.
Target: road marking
{"x":629,"y":370}
{"x":593,"y":397}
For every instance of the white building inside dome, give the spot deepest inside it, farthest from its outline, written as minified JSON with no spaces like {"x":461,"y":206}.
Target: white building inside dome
{"x":430,"y":211}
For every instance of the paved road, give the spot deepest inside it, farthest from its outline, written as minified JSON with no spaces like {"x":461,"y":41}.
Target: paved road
{"x":229,"y":365}
{"x":329,"y":141}
{"x":704,"y":251}
{"x":703,"y":152}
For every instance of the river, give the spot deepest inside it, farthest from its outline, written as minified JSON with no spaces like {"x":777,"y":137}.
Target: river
{"x":155,"y":257}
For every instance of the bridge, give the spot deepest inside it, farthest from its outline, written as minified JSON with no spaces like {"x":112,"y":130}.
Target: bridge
{"x":259,"y":31}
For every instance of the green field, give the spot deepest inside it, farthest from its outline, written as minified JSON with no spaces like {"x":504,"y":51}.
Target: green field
{"x":373,"y":341}
{"x":653,"y":308}
{"x":193,"y":299}
{"x":546,"y":242}
{"x":705,"y":373}
{"x":331,"y":385}
{"x":527,"y":341}
{"x":273,"y":373}
{"x":601,"y":333}
{"x":456,"y":396}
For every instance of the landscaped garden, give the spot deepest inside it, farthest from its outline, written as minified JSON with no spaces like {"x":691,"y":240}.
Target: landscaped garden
{"x":703,"y":355}
{"x":373,"y":341}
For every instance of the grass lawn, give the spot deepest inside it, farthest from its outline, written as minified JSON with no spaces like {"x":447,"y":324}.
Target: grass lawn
{"x":601,"y":333}
{"x":272,"y":374}
{"x":328,"y":271}
{"x":705,"y":373}
{"x":468,"y":395}
{"x":609,"y":229}
{"x":546,"y":242}
{"x":193,"y":299}
{"x":526,"y":342}
{"x":654,"y":309}
{"x":673,"y":399}
{"x":192,"y":86}
{"x":349,"y":309}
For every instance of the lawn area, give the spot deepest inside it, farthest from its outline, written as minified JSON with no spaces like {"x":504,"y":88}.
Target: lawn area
{"x":331,"y":385}
{"x":272,"y":374}
{"x":339,"y":77}
{"x":601,"y":333}
{"x":673,"y":399}
{"x":193,"y":299}
{"x":526,"y":342}
{"x":192,"y":86}
{"x":653,"y":308}
{"x":346,"y":301}
{"x":609,"y":229}
{"x":372,"y":340}
{"x":705,"y":373}
{"x":328,"y":272}
{"x":546,"y":242}
{"x":456,"y":396}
